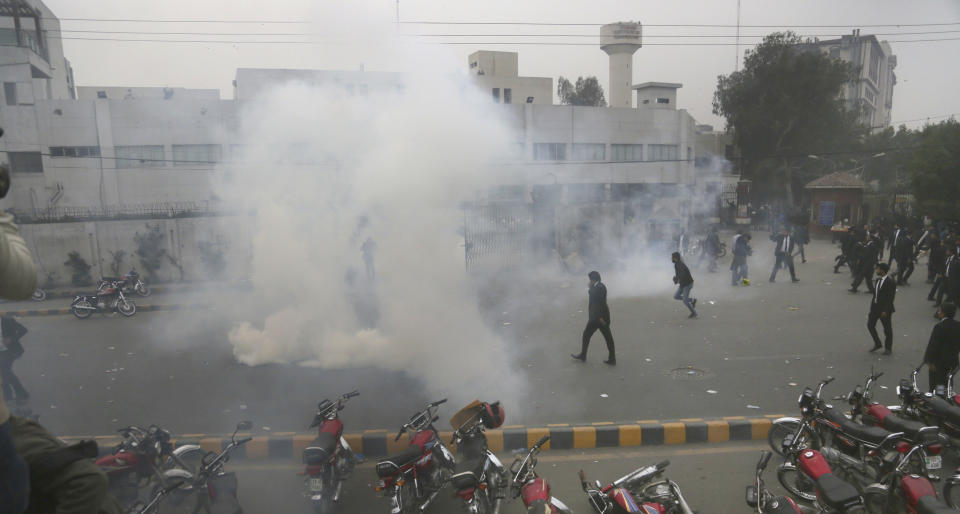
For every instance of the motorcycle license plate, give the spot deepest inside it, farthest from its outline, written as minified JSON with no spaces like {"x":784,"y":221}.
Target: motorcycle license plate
{"x":316,"y":485}
{"x":933,"y":461}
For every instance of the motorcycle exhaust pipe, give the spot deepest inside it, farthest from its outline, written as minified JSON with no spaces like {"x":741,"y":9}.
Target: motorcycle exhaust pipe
{"x":336,"y":492}
{"x":83,"y":308}
{"x":429,"y":500}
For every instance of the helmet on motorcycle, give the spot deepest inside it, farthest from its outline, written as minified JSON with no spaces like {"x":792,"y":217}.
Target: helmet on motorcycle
{"x":492,"y":415}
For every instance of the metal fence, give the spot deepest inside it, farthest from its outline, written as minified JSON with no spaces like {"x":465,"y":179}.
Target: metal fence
{"x":139,"y":211}
{"x":496,"y":234}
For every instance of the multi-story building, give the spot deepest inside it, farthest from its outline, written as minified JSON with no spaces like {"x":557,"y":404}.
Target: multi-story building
{"x":498,"y":72}
{"x":871,"y":94}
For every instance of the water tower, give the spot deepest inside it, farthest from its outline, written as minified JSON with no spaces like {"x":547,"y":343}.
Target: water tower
{"x":620,"y":41}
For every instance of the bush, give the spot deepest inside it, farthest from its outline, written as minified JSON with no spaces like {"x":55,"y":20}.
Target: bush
{"x":211,"y":257}
{"x":116,"y":259}
{"x":80,"y":270}
{"x":150,"y":250}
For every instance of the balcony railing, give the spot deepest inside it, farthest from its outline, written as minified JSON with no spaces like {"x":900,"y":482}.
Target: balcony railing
{"x":22,"y":38}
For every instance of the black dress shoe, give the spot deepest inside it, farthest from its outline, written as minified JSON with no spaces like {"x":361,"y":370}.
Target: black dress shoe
{"x":795,"y":280}
{"x":852,"y":290}
{"x":875,"y":348}
{"x":612,"y":362}
{"x":888,"y":352}
{"x":581,"y":358}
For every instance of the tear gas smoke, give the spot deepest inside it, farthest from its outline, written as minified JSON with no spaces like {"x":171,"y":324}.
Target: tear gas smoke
{"x":325,"y":171}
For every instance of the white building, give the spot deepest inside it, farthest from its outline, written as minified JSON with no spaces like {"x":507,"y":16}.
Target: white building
{"x":498,"y":72}
{"x":872,"y":92}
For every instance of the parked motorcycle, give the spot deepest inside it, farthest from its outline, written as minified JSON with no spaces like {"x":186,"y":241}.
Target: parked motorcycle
{"x":329,"y":460}
{"x":860,"y":454}
{"x":534,"y":490}
{"x":38,"y":295}
{"x":867,"y":412}
{"x":140,"y":459}
{"x":643,"y":490}
{"x":131,"y":283}
{"x":479,"y":479}
{"x":413,"y":479}
{"x":931,"y":409}
{"x":109,"y":297}
{"x":763,"y":501}
{"x":210,"y":489}
{"x":829,"y":492}
{"x":904,"y":490}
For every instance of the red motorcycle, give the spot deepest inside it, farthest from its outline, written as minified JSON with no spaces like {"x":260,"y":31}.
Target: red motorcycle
{"x":109,"y":297}
{"x":142,"y":458}
{"x":413,"y":479}
{"x":832,"y":493}
{"x":480,"y":479}
{"x":329,"y":459}
{"x":131,"y":283}
{"x":534,"y":490}
{"x":763,"y":501}
{"x":643,"y":490}
{"x":908,"y":488}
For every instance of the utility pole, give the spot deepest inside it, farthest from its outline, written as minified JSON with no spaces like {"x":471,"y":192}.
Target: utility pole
{"x":736,"y":57}
{"x":398,"y":14}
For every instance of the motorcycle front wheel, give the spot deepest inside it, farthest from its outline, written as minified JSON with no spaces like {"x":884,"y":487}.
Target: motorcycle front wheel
{"x":143,"y":289}
{"x":39,"y":295}
{"x":876,"y":500}
{"x":126,"y":308}
{"x":951,"y":492}
{"x":82,"y":309}
{"x":778,"y":432}
{"x":798,"y":484}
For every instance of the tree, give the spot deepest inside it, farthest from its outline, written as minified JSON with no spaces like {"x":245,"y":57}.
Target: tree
{"x":936,"y":170}
{"x":587,"y":91}
{"x":784,"y":105}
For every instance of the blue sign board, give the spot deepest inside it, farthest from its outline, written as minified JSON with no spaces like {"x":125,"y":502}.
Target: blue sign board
{"x":827,"y":210}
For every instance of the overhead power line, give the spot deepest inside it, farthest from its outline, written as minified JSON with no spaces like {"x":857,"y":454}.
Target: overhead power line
{"x":645,"y":36}
{"x":509,"y":23}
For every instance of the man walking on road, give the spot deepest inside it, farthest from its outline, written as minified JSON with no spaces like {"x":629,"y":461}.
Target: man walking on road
{"x":784,"y":253}
{"x":866,"y":262}
{"x":738,"y":268}
{"x":10,"y":351}
{"x":881,"y":308}
{"x":944,"y":345}
{"x":684,"y":281}
{"x":599,"y":319}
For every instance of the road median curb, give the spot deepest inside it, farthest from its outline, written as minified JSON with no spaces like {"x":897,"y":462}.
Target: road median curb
{"x":378,"y":443}
{"x":140,"y":308}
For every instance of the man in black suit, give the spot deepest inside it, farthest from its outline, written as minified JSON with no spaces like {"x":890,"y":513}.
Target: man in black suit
{"x":903,"y":251}
{"x":599,"y":319}
{"x":866,"y":262}
{"x":951,"y":275}
{"x":894,"y":239}
{"x":944,"y":345}
{"x":881,"y":308}
{"x":784,"y":253}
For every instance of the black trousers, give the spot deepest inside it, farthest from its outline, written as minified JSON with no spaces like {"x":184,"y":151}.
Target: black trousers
{"x":937,"y":377}
{"x":887,"y":322}
{"x":781,"y":260}
{"x":861,"y":276}
{"x":937,"y":290}
{"x":904,"y":270}
{"x":604,"y":328}
{"x":11,"y":383}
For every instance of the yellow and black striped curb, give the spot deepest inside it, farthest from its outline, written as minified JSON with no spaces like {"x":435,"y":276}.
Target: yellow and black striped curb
{"x":376,"y":443}
{"x":140,"y":308}
{"x":161,"y":289}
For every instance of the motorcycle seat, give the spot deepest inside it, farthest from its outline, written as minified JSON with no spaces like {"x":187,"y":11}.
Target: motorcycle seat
{"x":932,"y":505}
{"x":873,"y":435}
{"x":392,"y":464}
{"x":835,"y":493}
{"x":468,"y":473}
{"x":944,"y":409}
{"x":320,"y":449}
{"x":910,"y":428}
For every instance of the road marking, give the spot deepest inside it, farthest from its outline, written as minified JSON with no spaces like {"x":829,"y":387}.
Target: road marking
{"x":558,"y":424}
{"x":772,"y":357}
{"x":601,"y":423}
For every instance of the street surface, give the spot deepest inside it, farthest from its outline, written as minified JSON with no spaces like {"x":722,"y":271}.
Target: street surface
{"x":750,"y":353}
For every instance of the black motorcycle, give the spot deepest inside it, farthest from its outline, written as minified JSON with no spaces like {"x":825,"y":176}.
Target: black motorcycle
{"x":108,"y":298}
{"x":479,"y":479}
{"x":131,"y":283}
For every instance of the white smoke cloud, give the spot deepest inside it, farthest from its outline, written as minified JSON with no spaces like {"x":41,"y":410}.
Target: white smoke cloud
{"x":391,"y":166}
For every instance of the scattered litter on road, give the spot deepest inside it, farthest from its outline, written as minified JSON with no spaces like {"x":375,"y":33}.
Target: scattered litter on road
{"x":753,"y":406}
{"x":506,"y":323}
{"x":883,"y":387}
{"x":243,"y":407}
{"x":266,"y":428}
{"x":792,"y":384}
{"x":504,"y":313}
{"x":53,"y":406}
{"x":648,"y":359}
{"x":711,"y":302}
{"x":711,"y":391}
{"x":794,"y":308}
{"x":64,"y":354}
{"x":829,"y":283}
{"x":604,"y":395}
{"x":111,"y":348}
{"x":129,"y":353}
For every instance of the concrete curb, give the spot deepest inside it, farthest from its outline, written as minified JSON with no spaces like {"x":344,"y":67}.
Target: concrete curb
{"x":140,"y":308}
{"x":160,"y":289}
{"x":377,"y":443}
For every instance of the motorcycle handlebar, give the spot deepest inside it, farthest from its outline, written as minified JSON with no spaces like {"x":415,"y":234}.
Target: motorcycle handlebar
{"x":400,"y":433}
{"x":541,"y":442}
{"x":828,"y":380}
{"x":438,"y":402}
{"x":662,"y":465}
{"x":245,"y":440}
{"x":764,"y":459}
{"x":351,"y":395}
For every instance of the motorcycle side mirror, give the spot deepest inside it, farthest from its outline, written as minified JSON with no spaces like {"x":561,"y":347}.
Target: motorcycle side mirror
{"x":752,"y":496}
{"x":244,"y":425}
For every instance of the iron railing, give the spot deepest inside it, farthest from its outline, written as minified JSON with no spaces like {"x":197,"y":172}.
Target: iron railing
{"x":114,"y":212}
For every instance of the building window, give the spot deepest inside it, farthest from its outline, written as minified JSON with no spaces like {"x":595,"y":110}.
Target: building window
{"x":102,"y":95}
{"x":663,"y":100}
{"x":662,"y":153}
{"x":25,"y":162}
{"x":10,"y":91}
{"x":145,"y":156}
{"x":496,"y":94}
{"x":625,"y":153}
{"x":187,"y":155}
{"x":589,"y":152}
{"x":645,"y":102}
{"x":507,"y":96}
{"x":550,"y":151}
{"x":74,"y":151}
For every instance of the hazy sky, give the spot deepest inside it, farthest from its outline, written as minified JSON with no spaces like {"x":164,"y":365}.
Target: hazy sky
{"x":927,"y":72}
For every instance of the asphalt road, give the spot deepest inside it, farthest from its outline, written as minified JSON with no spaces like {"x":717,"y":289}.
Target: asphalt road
{"x":750,"y":352}
{"x":711,"y":477}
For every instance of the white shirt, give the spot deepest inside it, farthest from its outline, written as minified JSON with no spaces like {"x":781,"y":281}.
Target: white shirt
{"x":786,"y":244}
{"x":876,"y":294}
